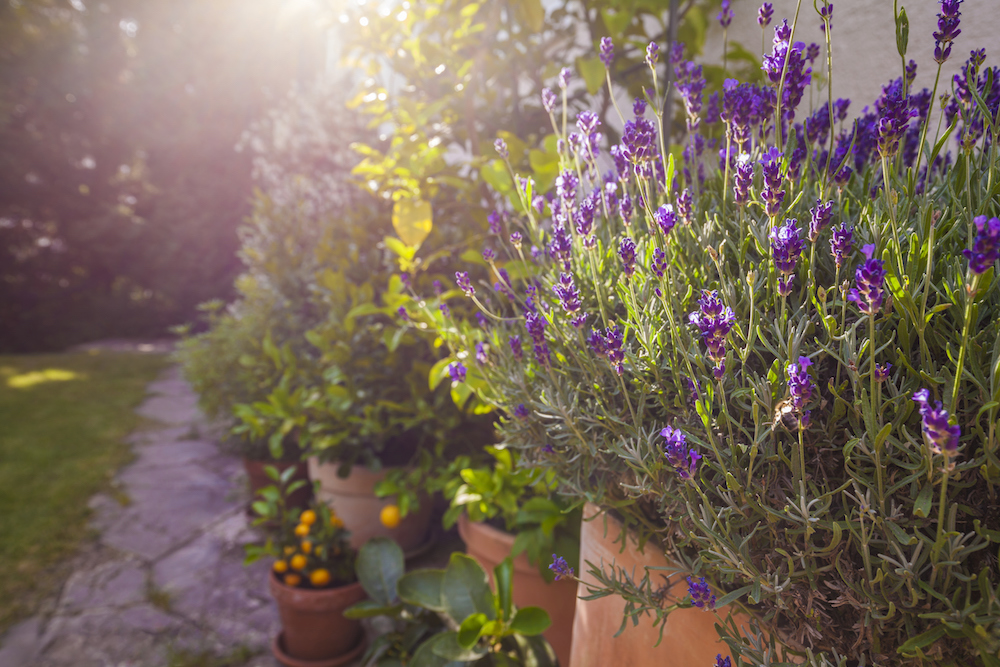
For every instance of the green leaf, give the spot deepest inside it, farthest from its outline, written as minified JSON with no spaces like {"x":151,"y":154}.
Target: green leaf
{"x":922,"y":506}
{"x":592,"y":71}
{"x":470,"y":630}
{"x":902,"y":32}
{"x":616,"y":20}
{"x":425,"y":656}
{"x":465,"y":589}
{"x":922,"y":640}
{"x":445,"y":645}
{"x":379,"y":566}
{"x":495,"y":173}
{"x":503,"y":575}
{"x":370,"y":608}
{"x":422,"y":588}
{"x":530,"y":13}
{"x":411,"y":218}
{"x":531,"y":621}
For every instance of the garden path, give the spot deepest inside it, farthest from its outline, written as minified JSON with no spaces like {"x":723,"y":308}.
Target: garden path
{"x":165,"y":577}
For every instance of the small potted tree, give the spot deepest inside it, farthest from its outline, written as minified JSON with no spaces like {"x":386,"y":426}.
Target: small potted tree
{"x":312,"y":578}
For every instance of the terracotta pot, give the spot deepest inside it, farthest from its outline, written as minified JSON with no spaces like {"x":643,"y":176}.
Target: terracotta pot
{"x":314,"y":627}
{"x":490,"y":546}
{"x":354,"y":501}
{"x":258,"y":480}
{"x":689,"y":637}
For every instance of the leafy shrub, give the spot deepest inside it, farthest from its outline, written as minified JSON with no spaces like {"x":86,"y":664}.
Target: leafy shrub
{"x":778,"y":360}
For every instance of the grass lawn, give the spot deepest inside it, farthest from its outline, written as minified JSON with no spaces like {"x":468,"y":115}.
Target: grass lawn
{"x":62,"y":421}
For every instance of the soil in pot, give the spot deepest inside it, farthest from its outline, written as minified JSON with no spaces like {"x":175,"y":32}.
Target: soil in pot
{"x":489,"y":546}
{"x":258,"y":480}
{"x":689,"y":637}
{"x":353,"y":499}
{"x":313,"y":625}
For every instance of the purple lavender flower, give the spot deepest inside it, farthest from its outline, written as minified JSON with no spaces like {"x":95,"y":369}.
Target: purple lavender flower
{"x":796,"y":75}
{"x":764,"y":15}
{"x":652,"y":54}
{"x":566,"y":185}
{"x":457,"y":371}
{"x":403,"y":315}
{"x":493,"y":219}
{"x":676,"y":53}
{"x":743,"y":179}
{"x":685,"y":205}
{"x":613,"y":342}
{"x":827,"y":14}
{"x":772,"y":194}
{"x":882,"y":371}
{"x":723,"y":662}
{"x":715,"y":321}
{"x":595,"y":340}
{"x":869,"y":279}
{"x":564,"y":76}
{"x":726,"y":15}
{"x":639,"y":140}
{"x":638,"y":107}
{"x":438,"y":288}
{"x":701,"y":594}
{"x":941,"y":436}
{"x":665,"y":218}
{"x":480,"y":353}
{"x":812,"y":52}
{"x":820,"y":217}
{"x":404,"y":278}
{"x":659,"y":264}
{"x":947,"y":31}
{"x":549,"y":100}
{"x":561,"y":568}
{"x":489,"y":255}
{"x":515,"y":239}
{"x":569,"y":295}
{"x":464,"y":284}
{"x":626,"y":210}
{"x":501,"y":148}
{"x":841,"y":242}
{"x":682,"y":458}
{"x":515,"y":347}
{"x":536,"y":329}
{"x":626,"y":251}
{"x":894,"y":117}
{"x":578,"y":320}
{"x":481,"y":319}
{"x":445,"y":310}
{"x":986,"y":248}
{"x":607,"y":51}
{"x":786,"y":246}
{"x":800,"y":385}
{"x":690,"y":84}
{"x":520,"y":411}
{"x":561,"y":245}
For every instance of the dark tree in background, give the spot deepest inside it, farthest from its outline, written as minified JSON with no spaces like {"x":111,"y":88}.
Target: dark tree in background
{"x":120,"y":185}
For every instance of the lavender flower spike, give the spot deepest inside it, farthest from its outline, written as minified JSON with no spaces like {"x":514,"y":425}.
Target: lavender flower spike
{"x":942,"y":436}
{"x":986,"y":248}
{"x":701,"y":594}
{"x":947,"y":31}
{"x":560,"y":567}
{"x":457,"y":371}
{"x":841,"y":242}
{"x":684,"y":459}
{"x":764,"y":15}
{"x":501,"y":148}
{"x":607,"y":51}
{"x":726,"y":15}
{"x":464,"y":284}
{"x":819,"y":219}
{"x":723,"y":662}
{"x":626,"y":251}
{"x":569,"y":295}
{"x":652,"y":54}
{"x":869,"y":292}
{"x":800,"y":385}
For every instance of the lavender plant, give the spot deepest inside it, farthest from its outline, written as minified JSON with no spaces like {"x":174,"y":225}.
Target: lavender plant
{"x":804,"y":414}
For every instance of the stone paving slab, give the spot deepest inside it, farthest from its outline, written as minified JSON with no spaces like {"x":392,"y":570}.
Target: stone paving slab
{"x":166,"y":572}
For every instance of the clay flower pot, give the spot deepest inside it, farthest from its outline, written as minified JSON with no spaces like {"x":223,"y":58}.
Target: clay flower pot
{"x":314,"y":630}
{"x":354,"y":501}
{"x":490,"y":546}
{"x":258,"y":479}
{"x":689,"y":637}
